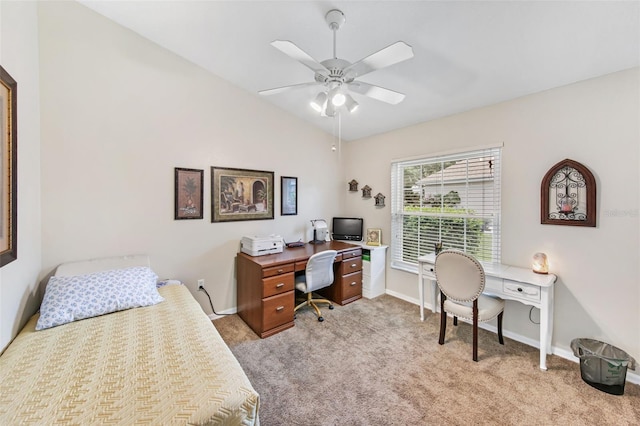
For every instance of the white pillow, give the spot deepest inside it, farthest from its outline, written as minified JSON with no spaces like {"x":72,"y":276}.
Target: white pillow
{"x":77,"y":297}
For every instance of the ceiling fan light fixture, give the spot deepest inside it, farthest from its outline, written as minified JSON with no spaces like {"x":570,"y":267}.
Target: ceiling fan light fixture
{"x":338,"y":99}
{"x":351,"y":103}
{"x":318,"y":103}
{"x":330,"y":111}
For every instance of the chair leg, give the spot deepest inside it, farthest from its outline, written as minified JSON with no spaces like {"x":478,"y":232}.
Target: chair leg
{"x":443,"y":319}
{"x":475,"y":330}
{"x":455,"y":321}
{"x":310,"y":301}
{"x":307,"y":302}
{"x":500,"y":339}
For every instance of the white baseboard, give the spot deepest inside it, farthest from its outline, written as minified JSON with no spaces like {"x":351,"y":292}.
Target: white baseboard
{"x":563,"y":353}
{"x":223,"y":313}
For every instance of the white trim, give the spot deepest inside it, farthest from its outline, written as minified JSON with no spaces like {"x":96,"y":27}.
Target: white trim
{"x":450,"y":152}
{"x":227,"y":312}
{"x":563,"y":353}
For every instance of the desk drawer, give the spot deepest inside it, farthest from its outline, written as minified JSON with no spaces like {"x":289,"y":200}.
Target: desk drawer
{"x":278,"y":284}
{"x":521,"y":290}
{"x":351,"y":253}
{"x":277,"y":270}
{"x":349,"y":266}
{"x":277,"y":310}
{"x":351,"y":285}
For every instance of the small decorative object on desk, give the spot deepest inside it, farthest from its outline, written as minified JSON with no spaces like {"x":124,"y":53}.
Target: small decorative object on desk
{"x":438,"y":247}
{"x":353,"y":185}
{"x":366,"y":191}
{"x":540,"y":263}
{"x":374,"y":237}
{"x":379,"y":200}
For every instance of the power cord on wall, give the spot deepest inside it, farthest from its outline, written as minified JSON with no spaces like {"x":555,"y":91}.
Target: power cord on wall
{"x":201,"y":288}
{"x":531,"y":319}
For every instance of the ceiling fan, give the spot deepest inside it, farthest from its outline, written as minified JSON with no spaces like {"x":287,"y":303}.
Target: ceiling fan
{"x":338,"y":76}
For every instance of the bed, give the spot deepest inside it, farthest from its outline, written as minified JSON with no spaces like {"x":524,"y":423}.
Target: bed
{"x":159,"y":364}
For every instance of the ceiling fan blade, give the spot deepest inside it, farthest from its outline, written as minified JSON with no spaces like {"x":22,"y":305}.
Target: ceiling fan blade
{"x":390,"y":55}
{"x":377,"y":92}
{"x":293,"y":51}
{"x":277,"y":90}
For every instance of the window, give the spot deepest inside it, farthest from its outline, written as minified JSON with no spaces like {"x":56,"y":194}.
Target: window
{"x":453,"y":199}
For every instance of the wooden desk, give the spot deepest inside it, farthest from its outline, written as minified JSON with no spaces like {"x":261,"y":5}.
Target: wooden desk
{"x":266,"y":294}
{"x":506,"y":282}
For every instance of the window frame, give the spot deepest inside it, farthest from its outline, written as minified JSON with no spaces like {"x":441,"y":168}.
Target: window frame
{"x":401,"y":257}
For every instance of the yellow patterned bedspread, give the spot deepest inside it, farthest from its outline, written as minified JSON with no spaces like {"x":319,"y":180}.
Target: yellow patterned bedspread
{"x":163,"y":364}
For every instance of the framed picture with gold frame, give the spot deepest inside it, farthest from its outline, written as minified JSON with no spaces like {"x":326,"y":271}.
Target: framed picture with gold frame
{"x":374,"y":236}
{"x":8,"y":168}
{"x":241,"y":194}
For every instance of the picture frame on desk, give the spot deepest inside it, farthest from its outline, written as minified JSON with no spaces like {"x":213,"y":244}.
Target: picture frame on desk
{"x":8,"y":168}
{"x":289,"y":196}
{"x":374,"y":236}
{"x":241,"y":194}
{"x":188,"y":193}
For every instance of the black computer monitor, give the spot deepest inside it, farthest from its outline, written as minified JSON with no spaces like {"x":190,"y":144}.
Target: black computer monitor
{"x":347,"y":228}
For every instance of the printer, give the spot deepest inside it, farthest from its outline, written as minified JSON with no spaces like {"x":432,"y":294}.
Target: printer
{"x":261,"y":245}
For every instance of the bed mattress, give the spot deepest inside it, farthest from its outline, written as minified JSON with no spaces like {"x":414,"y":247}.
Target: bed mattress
{"x":162,"y":364}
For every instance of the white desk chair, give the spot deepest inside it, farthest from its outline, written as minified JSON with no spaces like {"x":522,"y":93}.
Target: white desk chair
{"x":318,"y":274}
{"x":461,"y":280}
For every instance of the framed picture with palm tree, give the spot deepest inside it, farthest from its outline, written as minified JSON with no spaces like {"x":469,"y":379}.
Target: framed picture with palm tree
{"x":8,"y":168}
{"x":188,"y":193}
{"x":241,"y":194}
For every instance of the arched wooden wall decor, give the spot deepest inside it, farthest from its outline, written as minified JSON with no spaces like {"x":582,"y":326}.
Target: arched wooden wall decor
{"x":568,"y":195}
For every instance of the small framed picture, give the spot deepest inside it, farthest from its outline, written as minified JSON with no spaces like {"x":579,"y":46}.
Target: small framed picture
{"x":188,"y":193}
{"x":374,"y":237}
{"x":289,"y":195}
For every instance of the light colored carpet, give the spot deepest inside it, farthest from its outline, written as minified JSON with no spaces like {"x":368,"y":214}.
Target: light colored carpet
{"x":373,"y":362}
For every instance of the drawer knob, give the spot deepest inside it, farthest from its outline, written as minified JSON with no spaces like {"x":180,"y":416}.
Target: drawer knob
{"x":353,"y":283}
{"x":279,"y":308}
{"x":353,"y":265}
{"x":279,"y":285}
{"x":520,"y":289}
{"x":431,"y":269}
{"x":280,"y":271}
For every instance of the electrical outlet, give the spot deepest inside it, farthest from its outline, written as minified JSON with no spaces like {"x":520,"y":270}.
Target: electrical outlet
{"x":201,"y":282}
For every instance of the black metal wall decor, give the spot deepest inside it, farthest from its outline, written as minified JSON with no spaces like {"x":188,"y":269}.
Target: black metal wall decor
{"x":568,"y":195}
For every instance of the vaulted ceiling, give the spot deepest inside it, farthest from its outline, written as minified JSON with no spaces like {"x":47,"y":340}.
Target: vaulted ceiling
{"x":466,"y":54}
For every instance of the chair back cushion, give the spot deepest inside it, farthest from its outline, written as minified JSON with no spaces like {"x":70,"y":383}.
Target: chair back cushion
{"x":459,"y":275}
{"x":319,"y":271}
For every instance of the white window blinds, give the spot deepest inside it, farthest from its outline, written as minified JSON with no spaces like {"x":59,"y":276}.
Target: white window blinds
{"x":453,"y":199}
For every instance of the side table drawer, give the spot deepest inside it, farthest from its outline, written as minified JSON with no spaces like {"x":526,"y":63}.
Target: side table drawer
{"x":521,"y":290}
{"x":277,"y":310}
{"x":349,"y":266}
{"x":351,"y":285}
{"x":277,"y":284}
{"x":428,"y":271}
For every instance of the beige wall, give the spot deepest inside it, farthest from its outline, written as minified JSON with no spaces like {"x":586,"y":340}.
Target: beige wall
{"x":595,"y":122}
{"x":19,"y":297}
{"x":119,"y":113}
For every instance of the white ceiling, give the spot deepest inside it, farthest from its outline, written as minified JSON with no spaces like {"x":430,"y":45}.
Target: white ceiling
{"x":467,"y":54}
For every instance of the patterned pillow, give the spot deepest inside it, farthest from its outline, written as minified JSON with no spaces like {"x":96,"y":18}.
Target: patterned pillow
{"x":77,"y":297}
